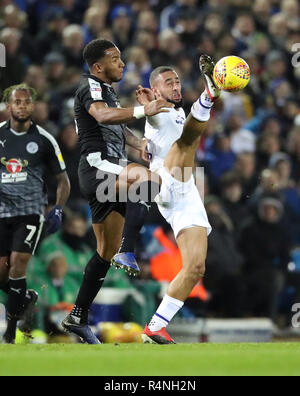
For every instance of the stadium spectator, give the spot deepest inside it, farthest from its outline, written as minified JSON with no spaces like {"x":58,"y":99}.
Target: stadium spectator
{"x":266,"y":250}
{"x":35,"y":78}
{"x":147,"y":40}
{"x":41,"y":117}
{"x":57,"y":293}
{"x":121,"y":18}
{"x":170,"y":14}
{"x":293,"y":145}
{"x":282,"y":164}
{"x":74,"y":9}
{"x":94,"y":23}
{"x":49,"y":37}
{"x":231,"y":193}
{"x":278,"y":30}
{"x":289,"y":192}
{"x":214,"y":24}
{"x":138,"y":61}
{"x":268,"y":186}
{"x":14,"y":18}
{"x":73,"y":44}
{"x":68,"y":247}
{"x":147,"y":21}
{"x":262,"y":10}
{"x":170,"y":48}
{"x":54,"y":70}
{"x":243,"y":31}
{"x":223,"y":279}
{"x":11,"y":38}
{"x":220,"y":158}
{"x":267,"y":145}
{"x":187,"y":26}
{"x":242,"y":140}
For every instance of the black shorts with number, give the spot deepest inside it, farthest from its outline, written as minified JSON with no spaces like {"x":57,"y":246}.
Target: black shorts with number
{"x":20,"y":234}
{"x":98,"y":185}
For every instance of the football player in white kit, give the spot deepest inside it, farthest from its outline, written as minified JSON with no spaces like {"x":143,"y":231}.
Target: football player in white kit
{"x":172,"y":143}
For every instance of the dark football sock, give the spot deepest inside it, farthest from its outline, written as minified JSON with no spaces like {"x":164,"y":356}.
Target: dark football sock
{"x":15,"y":306}
{"x":136,"y":214}
{"x":16,"y":297}
{"x":93,"y":279}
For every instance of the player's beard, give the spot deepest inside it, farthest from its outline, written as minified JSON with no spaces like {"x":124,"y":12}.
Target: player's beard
{"x":21,"y":120}
{"x":178,"y":104}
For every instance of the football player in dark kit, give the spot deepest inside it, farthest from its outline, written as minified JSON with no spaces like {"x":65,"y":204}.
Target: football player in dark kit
{"x":105,"y":175}
{"x":26,"y":150}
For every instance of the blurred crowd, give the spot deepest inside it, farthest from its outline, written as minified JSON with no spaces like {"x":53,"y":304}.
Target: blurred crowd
{"x":251,"y":152}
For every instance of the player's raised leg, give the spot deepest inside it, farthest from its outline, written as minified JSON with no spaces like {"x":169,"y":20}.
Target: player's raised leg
{"x":181,"y":157}
{"x":141,"y":187}
{"x":192,"y":238}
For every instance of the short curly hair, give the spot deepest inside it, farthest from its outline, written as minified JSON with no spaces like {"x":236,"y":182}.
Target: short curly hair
{"x":20,"y":87}
{"x":95,"y":51}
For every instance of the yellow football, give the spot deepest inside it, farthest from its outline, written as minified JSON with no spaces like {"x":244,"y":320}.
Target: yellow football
{"x":232,"y":74}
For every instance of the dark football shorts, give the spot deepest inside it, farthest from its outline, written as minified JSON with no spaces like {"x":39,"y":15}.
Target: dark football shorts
{"x":97,"y":179}
{"x":20,"y":234}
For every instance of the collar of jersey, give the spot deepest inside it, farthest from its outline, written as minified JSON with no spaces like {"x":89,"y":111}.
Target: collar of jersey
{"x":97,"y":79}
{"x":32,"y":126}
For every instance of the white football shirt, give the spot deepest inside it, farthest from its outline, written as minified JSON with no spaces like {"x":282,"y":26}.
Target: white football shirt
{"x":162,"y":131}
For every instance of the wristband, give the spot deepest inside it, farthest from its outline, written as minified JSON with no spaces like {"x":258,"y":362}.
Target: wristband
{"x":139,"y":112}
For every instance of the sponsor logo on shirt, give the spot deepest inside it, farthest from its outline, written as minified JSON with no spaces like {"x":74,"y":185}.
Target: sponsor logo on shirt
{"x":32,"y":148}
{"x":180,"y":120}
{"x":14,"y":167}
{"x":95,"y":89}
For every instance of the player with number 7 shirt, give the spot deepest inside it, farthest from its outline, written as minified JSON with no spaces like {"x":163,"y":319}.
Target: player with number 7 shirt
{"x":26,"y":151}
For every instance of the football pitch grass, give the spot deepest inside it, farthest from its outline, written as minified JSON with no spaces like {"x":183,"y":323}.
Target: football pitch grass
{"x":280,"y":359}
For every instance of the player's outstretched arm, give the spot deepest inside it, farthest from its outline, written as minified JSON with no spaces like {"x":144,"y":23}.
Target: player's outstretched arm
{"x":116,"y":116}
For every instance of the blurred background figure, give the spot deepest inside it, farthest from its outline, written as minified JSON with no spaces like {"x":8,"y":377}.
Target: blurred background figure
{"x":224,"y":280}
{"x":266,"y":248}
{"x":69,"y":245}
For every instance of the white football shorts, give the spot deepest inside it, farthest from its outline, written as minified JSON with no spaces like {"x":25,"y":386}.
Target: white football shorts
{"x":181,"y":204}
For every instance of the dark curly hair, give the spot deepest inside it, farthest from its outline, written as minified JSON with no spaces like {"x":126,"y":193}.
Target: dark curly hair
{"x":96,"y":50}
{"x":20,"y":87}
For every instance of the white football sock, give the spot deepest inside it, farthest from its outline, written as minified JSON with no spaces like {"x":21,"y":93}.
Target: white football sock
{"x":165,"y":313}
{"x":201,"y":109}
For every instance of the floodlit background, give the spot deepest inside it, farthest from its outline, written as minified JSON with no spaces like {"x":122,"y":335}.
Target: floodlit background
{"x":251,"y":156}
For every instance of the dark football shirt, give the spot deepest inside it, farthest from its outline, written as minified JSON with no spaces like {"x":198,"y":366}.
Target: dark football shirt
{"x":93,"y":136}
{"x":24,"y":158}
